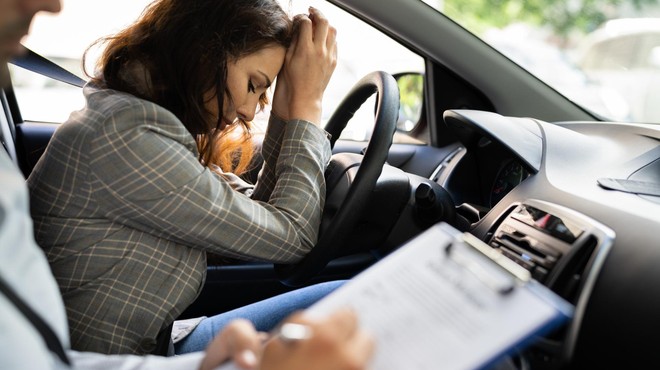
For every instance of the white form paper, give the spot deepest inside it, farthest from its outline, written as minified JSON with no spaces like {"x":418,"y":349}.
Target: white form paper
{"x":429,"y":309}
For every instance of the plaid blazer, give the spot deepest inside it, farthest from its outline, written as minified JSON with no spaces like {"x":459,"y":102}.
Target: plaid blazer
{"x":125,"y":213}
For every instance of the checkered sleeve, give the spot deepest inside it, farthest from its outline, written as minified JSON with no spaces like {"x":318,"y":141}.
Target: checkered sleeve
{"x":270,"y":150}
{"x":148,"y":177}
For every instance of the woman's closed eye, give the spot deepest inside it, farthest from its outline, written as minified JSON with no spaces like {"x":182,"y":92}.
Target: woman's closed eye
{"x":251,"y":87}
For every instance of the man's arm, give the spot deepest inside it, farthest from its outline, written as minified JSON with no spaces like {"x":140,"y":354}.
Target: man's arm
{"x":98,"y":361}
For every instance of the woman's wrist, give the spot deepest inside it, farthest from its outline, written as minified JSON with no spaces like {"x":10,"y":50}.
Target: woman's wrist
{"x":275,"y":115}
{"x":308,"y":111}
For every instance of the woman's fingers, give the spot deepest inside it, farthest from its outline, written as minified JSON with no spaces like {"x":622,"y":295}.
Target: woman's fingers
{"x":324,"y":34}
{"x":331,"y":41}
{"x":305,"y":31}
{"x":309,"y":63}
{"x":320,"y":24}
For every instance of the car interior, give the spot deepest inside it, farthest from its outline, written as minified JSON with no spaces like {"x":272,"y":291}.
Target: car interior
{"x":569,"y":195}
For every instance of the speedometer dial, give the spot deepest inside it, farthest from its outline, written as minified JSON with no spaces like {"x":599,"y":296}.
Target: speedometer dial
{"x":509,"y":176}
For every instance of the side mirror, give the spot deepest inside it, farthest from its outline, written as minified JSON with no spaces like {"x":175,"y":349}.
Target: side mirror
{"x":411,"y":92}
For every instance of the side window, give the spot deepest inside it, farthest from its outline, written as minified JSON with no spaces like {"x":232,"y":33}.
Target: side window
{"x":362,"y":49}
{"x":58,"y":37}
{"x":43,"y":99}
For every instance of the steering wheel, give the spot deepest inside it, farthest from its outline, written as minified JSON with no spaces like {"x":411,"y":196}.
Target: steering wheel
{"x":357,"y":196}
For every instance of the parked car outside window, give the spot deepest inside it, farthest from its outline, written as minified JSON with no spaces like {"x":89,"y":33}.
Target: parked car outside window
{"x":605,"y":54}
{"x":624,"y":54}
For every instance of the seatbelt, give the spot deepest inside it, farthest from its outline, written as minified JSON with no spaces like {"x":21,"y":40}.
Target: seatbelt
{"x":52,"y":341}
{"x":36,"y":63}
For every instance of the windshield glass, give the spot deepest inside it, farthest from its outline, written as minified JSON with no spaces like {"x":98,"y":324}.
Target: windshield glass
{"x":602,"y":54}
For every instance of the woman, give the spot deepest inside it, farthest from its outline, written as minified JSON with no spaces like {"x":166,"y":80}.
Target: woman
{"x":126,"y":201}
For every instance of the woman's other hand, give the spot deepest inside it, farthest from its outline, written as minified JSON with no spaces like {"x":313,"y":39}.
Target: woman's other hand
{"x":336,"y":343}
{"x":308,"y":66}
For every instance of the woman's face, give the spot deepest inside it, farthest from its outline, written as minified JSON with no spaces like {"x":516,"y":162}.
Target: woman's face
{"x":247,"y":79}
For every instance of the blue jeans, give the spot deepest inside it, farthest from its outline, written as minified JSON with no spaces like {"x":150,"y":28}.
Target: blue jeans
{"x":265,"y":315}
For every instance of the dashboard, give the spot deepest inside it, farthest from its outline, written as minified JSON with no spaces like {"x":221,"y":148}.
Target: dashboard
{"x":482,"y":177}
{"x":541,"y":195}
{"x":497,"y":155}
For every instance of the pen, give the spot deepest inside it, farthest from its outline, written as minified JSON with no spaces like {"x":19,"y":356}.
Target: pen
{"x":290,"y":332}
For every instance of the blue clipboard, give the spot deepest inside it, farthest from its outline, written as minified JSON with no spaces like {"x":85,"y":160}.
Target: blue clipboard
{"x":447,"y":300}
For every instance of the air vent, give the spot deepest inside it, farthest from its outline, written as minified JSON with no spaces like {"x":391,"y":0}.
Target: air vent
{"x":555,"y":244}
{"x":526,"y":250}
{"x":436,"y":175}
{"x":536,"y":239}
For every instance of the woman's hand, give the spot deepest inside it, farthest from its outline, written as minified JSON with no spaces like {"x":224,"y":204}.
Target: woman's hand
{"x":336,"y":343}
{"x":238,"y":342}
{"x":308,"y":66}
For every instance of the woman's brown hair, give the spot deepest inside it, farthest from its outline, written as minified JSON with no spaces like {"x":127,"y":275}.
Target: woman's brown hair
{"x":183,"y":47}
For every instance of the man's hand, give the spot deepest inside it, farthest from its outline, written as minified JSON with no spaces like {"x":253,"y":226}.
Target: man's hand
{"x":238,"y":342}
{"x":336,"y":343}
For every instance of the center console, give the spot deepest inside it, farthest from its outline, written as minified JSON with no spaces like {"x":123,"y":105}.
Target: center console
{"x":562,"y":249}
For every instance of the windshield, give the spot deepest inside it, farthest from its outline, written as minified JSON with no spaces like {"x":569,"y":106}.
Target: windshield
{"x":602,"y":54}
